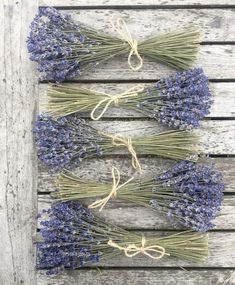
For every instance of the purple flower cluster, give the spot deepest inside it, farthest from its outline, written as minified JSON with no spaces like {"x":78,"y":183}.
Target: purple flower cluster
{"x":68,"y":241}
{"x":51,"y":43}
{"x":198,"y":189}
{"x":64,"y":142}
{"x":183,"y":101}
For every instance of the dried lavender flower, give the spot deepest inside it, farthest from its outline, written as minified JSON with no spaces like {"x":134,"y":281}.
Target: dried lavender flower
{"x":179,"y":101}
{"x":72,"y":237}
{"x":63,"y":49}
{"x":189,"y":194}
{"x":65,"y":142}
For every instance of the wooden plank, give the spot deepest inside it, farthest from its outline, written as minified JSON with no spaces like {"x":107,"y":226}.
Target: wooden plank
{"x":140,"y":277}
{"x":221,"y":254}
{"x":223,"y":106}
{"x":99,"y":170}
{"x":18,"y":87}
{"x":132,"y":3}
{"x":216,"y":24}
{"x":130,"y":216}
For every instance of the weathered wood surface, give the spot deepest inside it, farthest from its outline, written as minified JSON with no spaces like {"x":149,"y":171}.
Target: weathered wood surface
{"x":18,"y":174}
{"x":140,"y":277}
{"x":217,"y":24}
{"x":223,"y":106}
{"x":100,"y":170}
{"x":221,"y":254}
{"x":124,"y":214}
{"x":132,"y":3}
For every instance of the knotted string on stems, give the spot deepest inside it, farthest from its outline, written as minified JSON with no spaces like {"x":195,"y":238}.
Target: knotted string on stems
{"x":132,"y":92}
{"x":153,"y":251}
{"x":64,"y":100}
{"x":127,"y":142}
{"x":113,"y":193}
{"x":121,"y":28}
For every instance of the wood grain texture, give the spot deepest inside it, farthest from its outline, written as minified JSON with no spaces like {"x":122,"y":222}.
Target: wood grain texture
{"x":140,"y":277}
{"x":100,"y":170}
{"x":132,"y":3}
{"x":18,"y":168}
{"x":223,"y":92}
{"x":216,"y":24}
{"x":131,"y":216}
{"x":221,"y":254}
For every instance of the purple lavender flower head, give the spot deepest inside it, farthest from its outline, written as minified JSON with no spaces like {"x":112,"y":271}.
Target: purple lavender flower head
{"x":180,"y":100}
{"x":197,"y":195}
{"x":52,"y":36}
{"x":64,"y":142}
{"x":66,"y":238}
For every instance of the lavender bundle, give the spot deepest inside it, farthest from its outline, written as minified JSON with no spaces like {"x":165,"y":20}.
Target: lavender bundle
{"x":73,"y":237}
{"x":65,"y":142}
{"x":63,"y":48}
{"x":189,"y":194}
{"x":179,"y":101}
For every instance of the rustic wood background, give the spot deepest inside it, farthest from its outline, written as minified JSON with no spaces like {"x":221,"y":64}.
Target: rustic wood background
{"x":25,"y":185}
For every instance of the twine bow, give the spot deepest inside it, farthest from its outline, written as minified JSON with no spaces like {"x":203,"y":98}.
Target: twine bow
{"x":120,"y":141}
{"x":124,"y":33}
{"x":114,"y":98}
{"x":113,"y":193}
{"x":154,"y":251}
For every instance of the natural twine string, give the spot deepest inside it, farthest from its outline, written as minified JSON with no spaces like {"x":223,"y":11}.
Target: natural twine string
{"x":133,"y":91}
{"x":124,"y":33}
{"x":127,"y":142}
{"x":132,"y":249}
{"x":113,"y":193}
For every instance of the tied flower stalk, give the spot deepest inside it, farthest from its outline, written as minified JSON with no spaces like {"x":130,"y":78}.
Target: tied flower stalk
{"x":189,"y":194}
{"x":65,"y":142}
{"x":179,"y":101}
{"x":72,"y":237}
{"x":63,"y":49}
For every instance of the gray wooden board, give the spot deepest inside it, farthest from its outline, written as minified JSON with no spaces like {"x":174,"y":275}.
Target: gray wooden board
{"x":217,"y":24}
{"x":132,"y":3}
{"x":140,"y":277}
{"x":18,"y":168}
{"x":223,"y":95}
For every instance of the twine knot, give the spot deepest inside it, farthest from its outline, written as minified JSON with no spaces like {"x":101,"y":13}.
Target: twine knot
{"x":154,"y":251}
{"x":124,"y":33}
{"x":120,"y":141}
{"x":113,"y":193}
{"x":133,"y":91}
